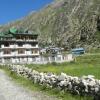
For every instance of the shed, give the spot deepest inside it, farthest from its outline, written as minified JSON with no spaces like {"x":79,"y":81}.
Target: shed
{"x":78,"y":51}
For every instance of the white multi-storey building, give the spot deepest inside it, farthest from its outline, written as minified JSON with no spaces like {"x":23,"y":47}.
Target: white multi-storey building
{"x":18,"y":47}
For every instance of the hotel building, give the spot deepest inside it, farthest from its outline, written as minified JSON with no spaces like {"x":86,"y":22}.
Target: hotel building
{"x":18,"y":46}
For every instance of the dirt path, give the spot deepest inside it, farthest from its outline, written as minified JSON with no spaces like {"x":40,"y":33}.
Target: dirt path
{"x":11,"y":91}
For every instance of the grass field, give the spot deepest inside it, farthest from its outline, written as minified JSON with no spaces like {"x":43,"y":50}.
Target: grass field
{"x":84,"y":65}
{"x":35,"y":87}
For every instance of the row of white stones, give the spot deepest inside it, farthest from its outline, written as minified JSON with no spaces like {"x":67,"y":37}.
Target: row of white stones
{"x":85,"y":85}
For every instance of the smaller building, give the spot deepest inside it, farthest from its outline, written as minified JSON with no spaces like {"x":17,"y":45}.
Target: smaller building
{"x":51,"y":50}
{"x":78,"y":51}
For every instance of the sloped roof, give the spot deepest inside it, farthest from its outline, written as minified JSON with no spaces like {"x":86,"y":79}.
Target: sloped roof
{"x":13,"y":30}
{"x":5,"y":35}
{"x":78,"y":49}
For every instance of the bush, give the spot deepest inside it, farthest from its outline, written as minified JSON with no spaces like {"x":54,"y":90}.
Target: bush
{"x":54,"y":63}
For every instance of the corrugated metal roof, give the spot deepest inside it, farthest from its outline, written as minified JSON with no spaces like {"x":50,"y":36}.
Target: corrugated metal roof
{"x":78,"y":49}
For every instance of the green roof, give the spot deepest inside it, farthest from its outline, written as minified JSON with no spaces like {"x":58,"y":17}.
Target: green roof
{"x":13,"y":30}
{"x":5,"y":35}
{"x":1,"y":34}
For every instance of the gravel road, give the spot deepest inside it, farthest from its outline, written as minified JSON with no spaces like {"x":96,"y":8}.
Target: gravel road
{"x":11,"y":91}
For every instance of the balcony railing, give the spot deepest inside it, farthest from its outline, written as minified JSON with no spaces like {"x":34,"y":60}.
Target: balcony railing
{"x":7,"y":39}
{"x":20,"y":40}
{"x":18,"y":55}
{"x":16,"y":47}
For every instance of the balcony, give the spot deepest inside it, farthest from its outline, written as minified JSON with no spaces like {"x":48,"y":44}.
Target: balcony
{"x":17,"y":55}
{"x":23,"y":40}
{"x":18,"y":40}
{"x":30,"y":46}
{"x":6,"y":55}
{"x":26,"y":46}
{"x":8,"y":47}
{"x":7,"y":40}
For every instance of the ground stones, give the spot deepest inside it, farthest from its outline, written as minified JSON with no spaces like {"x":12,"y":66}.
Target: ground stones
{"x":85,"y":85}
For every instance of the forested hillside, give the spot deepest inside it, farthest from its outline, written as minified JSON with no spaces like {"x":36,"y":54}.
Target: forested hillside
{"x":66,"y":23}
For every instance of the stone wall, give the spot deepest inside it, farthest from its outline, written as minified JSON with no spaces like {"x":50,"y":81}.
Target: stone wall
{"x":85,"y":85}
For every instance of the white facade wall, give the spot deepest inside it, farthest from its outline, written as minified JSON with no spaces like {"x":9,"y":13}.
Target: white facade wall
{"x":28,"y":52}
{"x":1,"y":53}
{"x":2,"y":59}
{"x":14,"y":57}
{"x":29,"y":59}
{"x":27,"y":46}
{"x":2,"y":46}
{"x":13,"y":60}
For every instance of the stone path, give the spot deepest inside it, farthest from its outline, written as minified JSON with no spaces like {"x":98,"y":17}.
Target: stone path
{"x":11,"y":91}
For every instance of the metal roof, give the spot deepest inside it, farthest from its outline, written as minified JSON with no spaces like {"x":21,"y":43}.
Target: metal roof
{"x":5,"y":35}
{"x":78,"y":49}
{"x":13,"y":30}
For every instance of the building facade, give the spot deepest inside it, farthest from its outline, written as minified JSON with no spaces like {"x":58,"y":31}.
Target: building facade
{"x":18,"y":46}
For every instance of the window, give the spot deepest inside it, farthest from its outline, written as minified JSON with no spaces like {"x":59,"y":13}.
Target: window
{"x":7,"y":52}
{"x":21,"y":51}
{"x":34,"y":51}
{"x":27,"y":38}
{"x":6,"y":44}
{"x":28,"y":50}
{"x":17,"y":37}
{"x":33,"y":45}
{"x":20,"y":44}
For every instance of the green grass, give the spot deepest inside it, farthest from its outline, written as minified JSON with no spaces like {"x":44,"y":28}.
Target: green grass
{"x":95,"y":50}
{"x":84,"y":65}
{"x":98,"y":35}
{"x":35,"y":87}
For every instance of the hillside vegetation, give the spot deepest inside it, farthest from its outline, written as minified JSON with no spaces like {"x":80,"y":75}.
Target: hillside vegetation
{"x":66,"y":23}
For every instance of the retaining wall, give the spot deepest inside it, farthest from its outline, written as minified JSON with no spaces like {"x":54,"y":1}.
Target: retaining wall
{"x":85,"y":85}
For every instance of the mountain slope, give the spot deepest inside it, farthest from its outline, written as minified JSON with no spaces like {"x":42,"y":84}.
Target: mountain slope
{"x":67,"y":23}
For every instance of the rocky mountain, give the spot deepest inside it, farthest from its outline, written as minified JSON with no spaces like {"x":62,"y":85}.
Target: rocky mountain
{"x":65,"y":23}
